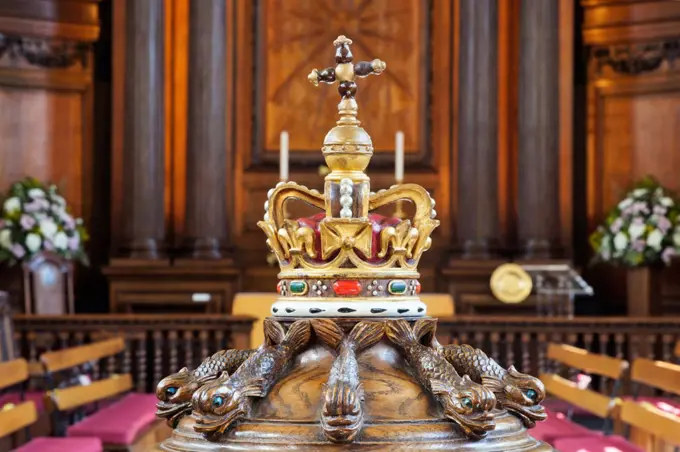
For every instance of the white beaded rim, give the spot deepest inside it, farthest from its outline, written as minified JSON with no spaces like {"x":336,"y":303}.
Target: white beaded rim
{"x":409,"y":308}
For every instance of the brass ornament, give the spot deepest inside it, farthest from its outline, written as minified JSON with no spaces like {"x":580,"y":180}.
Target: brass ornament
{"x":511,"y":284}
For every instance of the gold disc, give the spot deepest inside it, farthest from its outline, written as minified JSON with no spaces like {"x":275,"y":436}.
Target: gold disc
{"x":511,"y":284}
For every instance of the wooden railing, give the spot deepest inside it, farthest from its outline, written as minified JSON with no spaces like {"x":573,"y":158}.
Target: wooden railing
{"x":522,"y":341}
{"x":156,"y":345}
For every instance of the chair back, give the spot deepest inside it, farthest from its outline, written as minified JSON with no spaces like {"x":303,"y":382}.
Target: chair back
{"x":15,"y":417}
{"x":601,"y":405}
{"x":656,"y":374}
{"x":74,"y":397}
{"x":654,"y":424}
{"x":7,"y":344}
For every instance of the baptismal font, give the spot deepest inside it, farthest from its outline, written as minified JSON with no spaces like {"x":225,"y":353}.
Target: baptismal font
{"x":350,"y":359}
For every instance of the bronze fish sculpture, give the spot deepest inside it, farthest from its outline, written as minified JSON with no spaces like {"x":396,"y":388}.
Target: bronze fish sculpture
{"x":220,"y":404}
{"x":174,"y":392}
{"x":466,"y":403}
{"x":342,"y":414}
{"x":519,"y":393}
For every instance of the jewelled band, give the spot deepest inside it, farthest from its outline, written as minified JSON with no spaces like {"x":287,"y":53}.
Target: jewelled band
{"x":359,"y":288}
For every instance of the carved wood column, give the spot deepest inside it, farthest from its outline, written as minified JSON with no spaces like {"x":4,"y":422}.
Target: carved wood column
{"x":143,"y":151}
{"x":206,"y":222}
{"x":477,"y":215}
{"x":538,"y":154}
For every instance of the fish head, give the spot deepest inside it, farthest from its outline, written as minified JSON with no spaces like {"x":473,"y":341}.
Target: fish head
{"x":468,"y":404}
{"x":219,"y":404}
{"x":522,"y":395}
{"x":342,"y":414}
{"x":174,"y":394}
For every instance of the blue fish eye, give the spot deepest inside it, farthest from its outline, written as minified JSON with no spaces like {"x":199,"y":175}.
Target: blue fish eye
{"x":533,"y":395}
{"x":171,"y":391}
{"x":217,"y":401}
{"x":466,"y":402}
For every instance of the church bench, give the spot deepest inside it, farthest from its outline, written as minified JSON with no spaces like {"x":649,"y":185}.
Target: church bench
{"x":124,"y":420}
{"x":16,"y":417}
{"x":600,"y":406}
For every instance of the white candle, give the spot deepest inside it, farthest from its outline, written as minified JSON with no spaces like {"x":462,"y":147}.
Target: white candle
{"x":399,"y":157}
{"x":283,"y":156}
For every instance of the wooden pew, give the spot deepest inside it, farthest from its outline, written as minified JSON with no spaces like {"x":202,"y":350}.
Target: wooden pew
{"x":601,"y":406}
{"x":128,"y":423}
{"x":662,"y":376}
{"x":652,"y":429}
{"x":15,"y":417}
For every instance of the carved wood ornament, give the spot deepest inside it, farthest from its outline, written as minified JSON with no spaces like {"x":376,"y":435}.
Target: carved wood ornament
{"x":349,"y":356}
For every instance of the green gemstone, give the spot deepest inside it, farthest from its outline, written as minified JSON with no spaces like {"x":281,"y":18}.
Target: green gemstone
{"x":298,"y":287}
{"x":397,"y":287}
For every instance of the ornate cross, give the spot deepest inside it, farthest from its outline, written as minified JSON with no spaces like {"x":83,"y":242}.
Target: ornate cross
{"x":345,"y":72}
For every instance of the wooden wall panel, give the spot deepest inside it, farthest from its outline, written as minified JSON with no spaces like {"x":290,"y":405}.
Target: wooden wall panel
{"x":633,"y":114}
{"x":296,"y":35}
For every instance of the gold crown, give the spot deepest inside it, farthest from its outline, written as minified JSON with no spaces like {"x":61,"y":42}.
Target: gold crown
{"x":346,"y":242}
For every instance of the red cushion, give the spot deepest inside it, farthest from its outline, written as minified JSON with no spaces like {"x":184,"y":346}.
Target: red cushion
{"x":595,"y":444}
{"x":121,"y":422}
{"x":15,"y":397}
{"x":554,"y":428}
{"x":378,"y":223}
{"x":62,"y":445}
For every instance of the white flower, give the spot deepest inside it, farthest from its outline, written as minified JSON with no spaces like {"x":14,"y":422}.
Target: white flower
{"x":59,"y":200}
{"x":48,"y":228}
{"x":636,"y":230}
{"x":639,"y":192}
{"x":620,"y":241}
{"x":60,"y":241}
{"x":33,"y":242}
{"x":625,"y":203}
{"x":6,"y":238}
{"x":654,"y":239}
{"x":666,"y":201}
{"x":36,"y":193}
{"x":12,"y":204}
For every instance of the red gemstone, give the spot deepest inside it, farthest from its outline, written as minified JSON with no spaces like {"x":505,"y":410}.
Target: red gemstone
{"x":417,"y":287}
{"x":347,"y":287}
{"x":278,"y":287}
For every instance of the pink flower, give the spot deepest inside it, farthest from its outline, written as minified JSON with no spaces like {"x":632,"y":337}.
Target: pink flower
{"x":18,"y":251}
{"x":616,"y":225}
{"x":640,"y":207}
{"x":27,"y":222}
{"x":33,"y":206}
{"x":74,"y":243}
{"x":660,"y":210}
{"x":663,"y":224}
{"x":639,"y":245}
{"x":667,"y":255}
{"x":68,"y":220}
{"x":48,"y":245}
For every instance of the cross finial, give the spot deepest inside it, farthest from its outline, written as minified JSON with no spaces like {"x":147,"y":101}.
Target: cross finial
{"x":345,"y":72}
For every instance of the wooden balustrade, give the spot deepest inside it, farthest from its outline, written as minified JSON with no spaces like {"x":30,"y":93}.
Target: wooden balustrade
{"x":523,"y":341}
{"x":156,"y":345}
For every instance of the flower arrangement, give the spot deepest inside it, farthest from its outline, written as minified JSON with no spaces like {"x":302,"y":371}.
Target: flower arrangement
{"x":641,"y":230}
{"x":35,"y":218}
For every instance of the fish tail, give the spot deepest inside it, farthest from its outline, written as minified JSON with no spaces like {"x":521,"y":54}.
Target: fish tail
{"x":399,"y":332}
{"x":328,"y":332}
{"x":298,"y":335}
{"x":366,"y":334}
{"x":424,"y":330}
{"x":274,"y":333}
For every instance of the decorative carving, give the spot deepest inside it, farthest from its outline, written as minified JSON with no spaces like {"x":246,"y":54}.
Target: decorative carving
{"x":342,"y":414}
{"x":174,"y":392}
{"x":51,"y":54}
{"x":466,"y":403}
{"x":519,"y":393}
{"x":636,"y":58}
{"x":223,"y":402}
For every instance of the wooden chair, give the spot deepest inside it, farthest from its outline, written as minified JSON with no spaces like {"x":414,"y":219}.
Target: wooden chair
{"x":129,"y":423}
{"x":15,"y":417}
{"x":652,"y":429}
{"x":601,"y":406}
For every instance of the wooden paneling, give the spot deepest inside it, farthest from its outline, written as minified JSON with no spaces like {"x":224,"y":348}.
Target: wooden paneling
{"x":633,"y":112}
{"x":294,"y":36}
